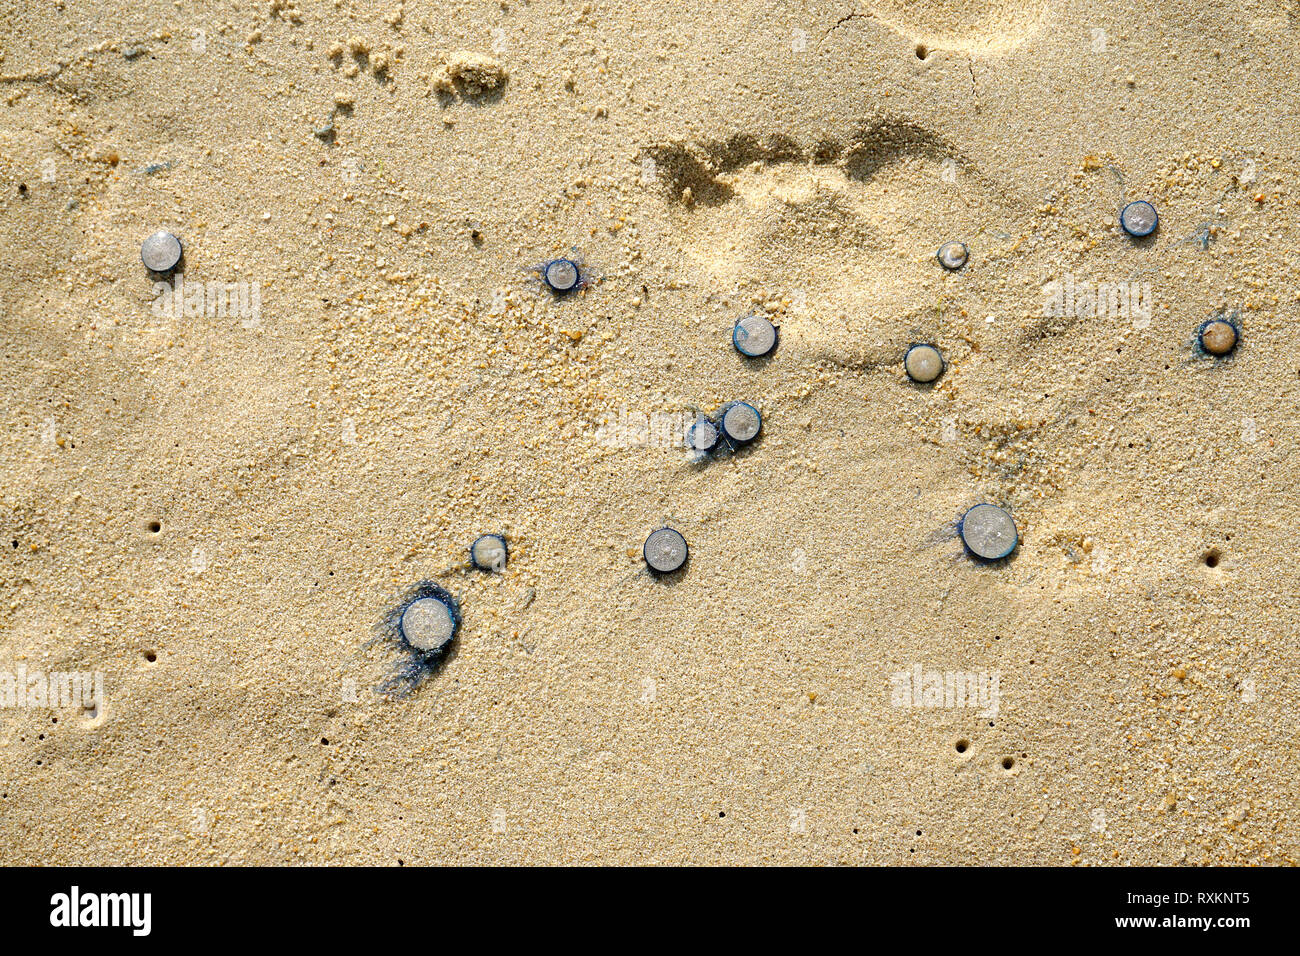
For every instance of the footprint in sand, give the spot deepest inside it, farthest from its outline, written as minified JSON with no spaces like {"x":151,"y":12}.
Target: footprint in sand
{"x":845,"y":229}
{"x":976,"y":27}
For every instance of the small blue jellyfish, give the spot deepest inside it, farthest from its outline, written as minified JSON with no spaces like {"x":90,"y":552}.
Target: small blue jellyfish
{"x":489,"y":552}
{"x":754,"y":336}
{"x":1218,"y":335}
{"x":923,"y":363}
{"x":988,"y":532}
{"x":161,"y":252}
{"x":702,"y":437}
{"x":740,"y":421}
{"x":1139,"y":219}
{"x":564,"y":275}
{"x":952,"y":255}
{"x":731,"y":426}
{"x":665,"y":551}
{"x":422,"y":626}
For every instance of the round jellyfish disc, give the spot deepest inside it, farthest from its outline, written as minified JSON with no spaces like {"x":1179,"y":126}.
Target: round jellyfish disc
{"x":1218,"y":336}
{"x":428,"y":624}
{"x":953,"y":255}
{"x":561,"y":274}
{"x":741,"y":422}
{"x":665,"y":551}
{"x":702,"y":435}
{"x":161,"y":252}
{"x":489,"y":552}
{"x":923,"y":363}
{"x":1139,"y":218}
{"x":754,"y":336}
{"x":988,"y":532}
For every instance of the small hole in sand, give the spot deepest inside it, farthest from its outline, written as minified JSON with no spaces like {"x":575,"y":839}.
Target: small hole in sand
{"x":922,"y":51}
{"x":1008,"y":763}
{"x":151,"y":656}
{"x":154,"y":526}
{"x":1211,"y":558}
{"x":962,"y":745}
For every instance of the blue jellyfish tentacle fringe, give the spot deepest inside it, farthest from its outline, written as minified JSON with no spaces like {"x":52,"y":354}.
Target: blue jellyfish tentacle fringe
{"x":414,"y":665}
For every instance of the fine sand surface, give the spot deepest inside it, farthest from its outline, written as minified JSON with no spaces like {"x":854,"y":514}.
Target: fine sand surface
{"x":216,"y":511}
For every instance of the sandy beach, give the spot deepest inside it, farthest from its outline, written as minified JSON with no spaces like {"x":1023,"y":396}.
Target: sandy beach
{"x":218,"y":483}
